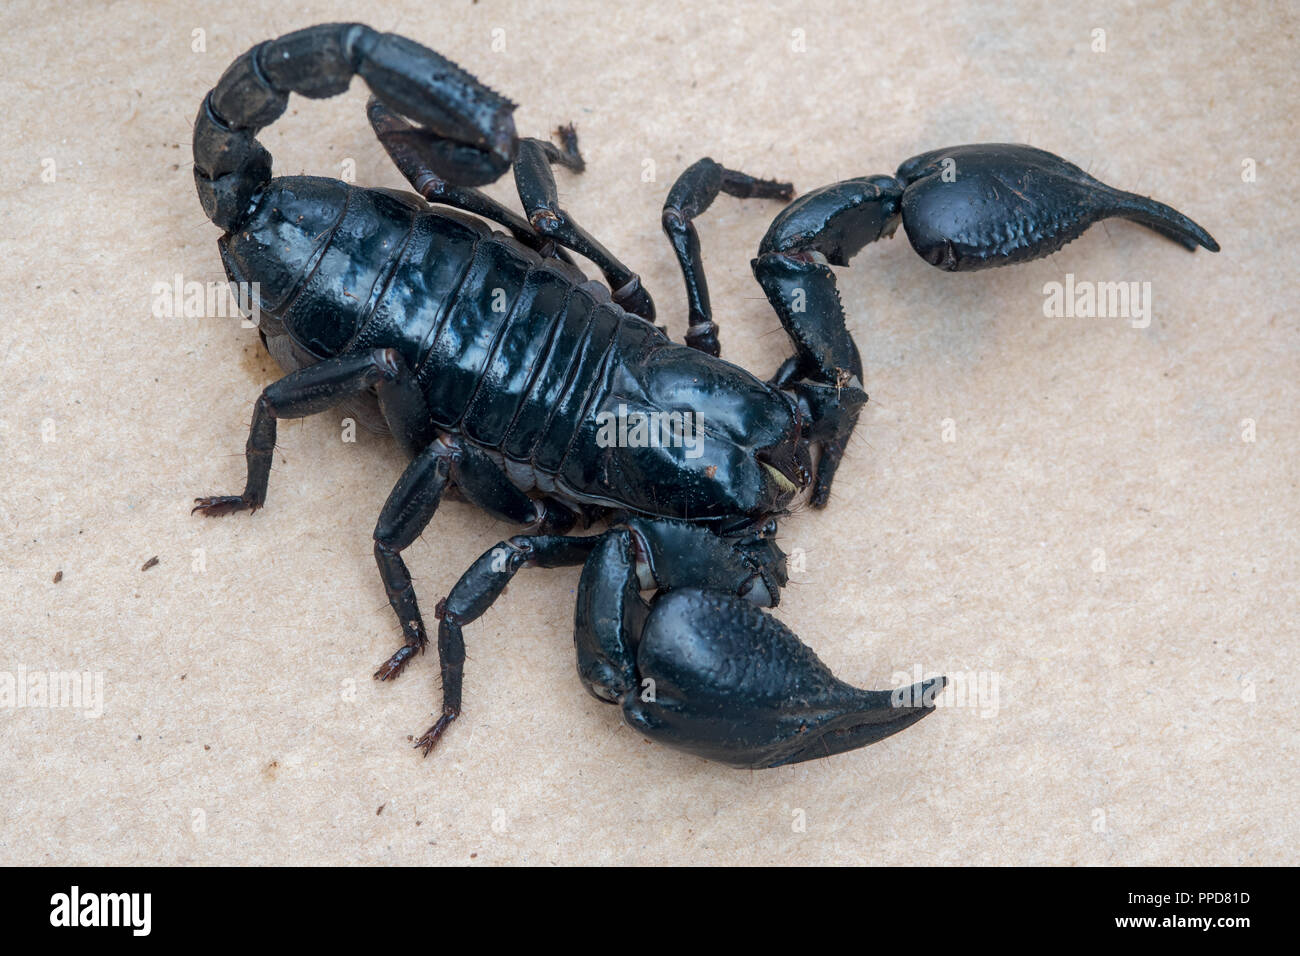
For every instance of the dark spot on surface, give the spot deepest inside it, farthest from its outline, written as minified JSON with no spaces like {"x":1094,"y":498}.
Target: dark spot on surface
{"x":58,"y":576}
{"x":149,"y":564}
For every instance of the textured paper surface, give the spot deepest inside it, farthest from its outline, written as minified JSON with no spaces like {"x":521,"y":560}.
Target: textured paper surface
{"x":1098,"y":535}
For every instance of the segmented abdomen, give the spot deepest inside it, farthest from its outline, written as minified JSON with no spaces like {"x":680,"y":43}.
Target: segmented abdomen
{"x":507,"y":347}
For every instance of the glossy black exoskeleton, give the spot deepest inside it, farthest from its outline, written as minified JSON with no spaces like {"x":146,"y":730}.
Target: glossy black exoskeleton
{"x":546,"y":398}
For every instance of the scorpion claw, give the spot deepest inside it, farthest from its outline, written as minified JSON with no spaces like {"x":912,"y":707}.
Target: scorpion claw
{"x":729,"y":682}
{"x":974,"y":207}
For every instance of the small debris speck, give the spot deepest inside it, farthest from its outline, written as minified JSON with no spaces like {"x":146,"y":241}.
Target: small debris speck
{"x":149,"y":564}
{"x":58,"y":576}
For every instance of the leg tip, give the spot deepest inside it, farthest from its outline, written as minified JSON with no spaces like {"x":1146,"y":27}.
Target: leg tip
{"x":216,"y":505}
{"x":392,"y":668}
{"x":568,"y":137}
{"x":430,"y":738}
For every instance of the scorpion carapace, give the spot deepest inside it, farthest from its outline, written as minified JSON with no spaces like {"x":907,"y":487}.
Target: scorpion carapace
{"x":547,"y":399}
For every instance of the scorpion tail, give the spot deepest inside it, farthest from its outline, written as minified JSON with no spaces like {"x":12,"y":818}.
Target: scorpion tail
{"x":471,"y":124}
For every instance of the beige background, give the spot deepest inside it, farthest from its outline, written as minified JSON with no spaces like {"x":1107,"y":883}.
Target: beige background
{"x":1146,"y":713}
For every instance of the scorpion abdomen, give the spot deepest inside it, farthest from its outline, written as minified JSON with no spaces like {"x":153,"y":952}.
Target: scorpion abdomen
{"x":508,"y":347}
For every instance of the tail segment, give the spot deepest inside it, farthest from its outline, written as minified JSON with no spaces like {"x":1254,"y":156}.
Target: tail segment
{"x":471,"y":125}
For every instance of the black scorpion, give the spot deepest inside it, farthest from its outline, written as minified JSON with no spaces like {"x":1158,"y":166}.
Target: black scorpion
{"x":496,"y":364}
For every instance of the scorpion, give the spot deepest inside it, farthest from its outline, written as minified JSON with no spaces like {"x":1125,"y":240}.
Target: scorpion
{"x":495,"y":363}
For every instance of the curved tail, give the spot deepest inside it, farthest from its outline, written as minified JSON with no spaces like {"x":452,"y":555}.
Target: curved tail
{"x":469,"y":127}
